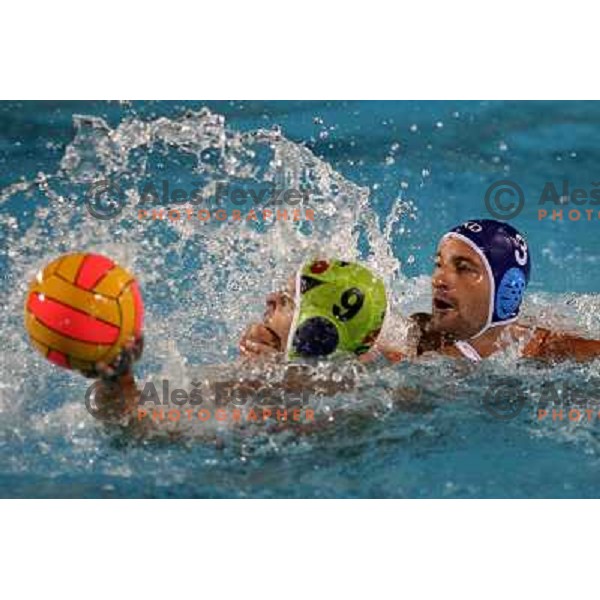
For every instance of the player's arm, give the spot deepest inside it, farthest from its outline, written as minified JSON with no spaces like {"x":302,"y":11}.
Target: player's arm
{"x":548,"y":344}
{"x":388,"y":351}
{"x":296,"y":379}
{"x":115,"y":394}
{"x":420,"y":339}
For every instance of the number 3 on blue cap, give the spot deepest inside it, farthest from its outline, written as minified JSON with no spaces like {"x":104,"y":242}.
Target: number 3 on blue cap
{"x":521,"y":252}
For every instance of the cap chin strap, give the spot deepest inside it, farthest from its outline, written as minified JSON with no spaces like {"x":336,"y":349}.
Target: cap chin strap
{"x":467,"y":350}
{"x":488,"y":324}
{"x":491,"y":325}
{"x":297,"y":299}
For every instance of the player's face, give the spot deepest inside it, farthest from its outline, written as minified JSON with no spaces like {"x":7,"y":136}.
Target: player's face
{"x":279,"y":312}
{"x":461,"y":290}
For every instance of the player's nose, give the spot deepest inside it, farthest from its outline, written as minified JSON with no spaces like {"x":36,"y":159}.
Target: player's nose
{"x":439,"y":279}
{"x":274,"y":299}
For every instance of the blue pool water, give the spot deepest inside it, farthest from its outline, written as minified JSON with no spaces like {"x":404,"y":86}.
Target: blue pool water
{"x":395,"y":176}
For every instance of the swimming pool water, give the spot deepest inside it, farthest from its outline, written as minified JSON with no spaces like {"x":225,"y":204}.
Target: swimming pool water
{"x":410,"y":170}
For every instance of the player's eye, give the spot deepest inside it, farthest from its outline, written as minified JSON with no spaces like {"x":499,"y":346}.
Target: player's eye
{"x":286,"y":299}
{"x":465,"y":267}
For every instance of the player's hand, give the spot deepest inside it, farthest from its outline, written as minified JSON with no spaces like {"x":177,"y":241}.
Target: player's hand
{"x":122,"y":365}
{"x":260,"y":341}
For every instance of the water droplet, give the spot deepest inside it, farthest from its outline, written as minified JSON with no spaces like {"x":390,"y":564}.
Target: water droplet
{"x":413,"y":128}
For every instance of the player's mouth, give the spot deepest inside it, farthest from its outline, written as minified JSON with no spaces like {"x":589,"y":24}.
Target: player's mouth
{"x":276,"y":340}
{"x":443,"y":304}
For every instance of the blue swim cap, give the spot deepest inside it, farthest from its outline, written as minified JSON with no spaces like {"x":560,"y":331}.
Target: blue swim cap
{"x":505,"y":254}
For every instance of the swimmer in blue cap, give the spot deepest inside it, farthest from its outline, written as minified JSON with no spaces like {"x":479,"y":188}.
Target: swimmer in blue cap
{"x":482,"y":270}
{"x":481,"y":273}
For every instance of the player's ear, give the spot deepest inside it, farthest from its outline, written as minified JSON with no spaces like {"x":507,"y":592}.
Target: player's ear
{"x":316,"y":336}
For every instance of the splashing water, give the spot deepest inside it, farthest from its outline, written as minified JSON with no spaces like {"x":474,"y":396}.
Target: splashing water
{"x":202,"y":281}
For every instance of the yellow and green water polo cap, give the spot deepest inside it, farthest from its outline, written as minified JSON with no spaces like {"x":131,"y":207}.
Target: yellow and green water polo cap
{"x":339,"y":309}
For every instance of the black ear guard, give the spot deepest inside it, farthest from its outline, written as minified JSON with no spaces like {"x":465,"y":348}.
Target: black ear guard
{"x":316,"y":336}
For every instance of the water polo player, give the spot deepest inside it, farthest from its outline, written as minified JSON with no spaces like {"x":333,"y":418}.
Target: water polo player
{"x":331,"y":310}
{"x":481,"y":273}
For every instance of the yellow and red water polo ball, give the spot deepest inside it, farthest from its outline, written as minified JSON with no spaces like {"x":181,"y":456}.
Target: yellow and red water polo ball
{"x":82,"y":309}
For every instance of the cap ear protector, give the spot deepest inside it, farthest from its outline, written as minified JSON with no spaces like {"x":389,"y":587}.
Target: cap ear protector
{"x":510,"y":294}
{"x":317,"y":336}
{"x":505,"y":255}
{"x":340,"y":308}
